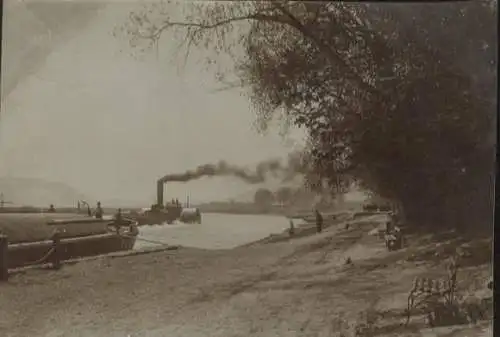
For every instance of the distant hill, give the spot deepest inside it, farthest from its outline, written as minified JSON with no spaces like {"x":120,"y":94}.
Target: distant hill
{"x":123,"y":203}
{"x":38,"y":192}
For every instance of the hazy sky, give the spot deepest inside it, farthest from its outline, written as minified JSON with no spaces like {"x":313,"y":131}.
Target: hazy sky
{"x":110,"y":125}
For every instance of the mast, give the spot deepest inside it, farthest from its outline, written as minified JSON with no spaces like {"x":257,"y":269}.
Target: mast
{"x":2,"y":200}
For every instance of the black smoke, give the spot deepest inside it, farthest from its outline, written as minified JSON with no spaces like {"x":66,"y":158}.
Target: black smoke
{"x":293,"y":167}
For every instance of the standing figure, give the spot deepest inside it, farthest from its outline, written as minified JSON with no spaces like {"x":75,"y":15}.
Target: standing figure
{"x":319,"y":221}
{"x":291,"y":231}
{"x":389,"y":227}
{"x":393,"y":236}
{"x":118,"y":215}
{"x":118,"y":220}
{"x":52,"y":209}
{"x":98,"y":211}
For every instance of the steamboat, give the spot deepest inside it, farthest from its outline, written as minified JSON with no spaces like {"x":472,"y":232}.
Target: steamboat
{"x":169,"y":212}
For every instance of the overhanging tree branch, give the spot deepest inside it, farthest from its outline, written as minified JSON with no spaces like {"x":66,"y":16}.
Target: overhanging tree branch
{"x":295,"y":22}
{"x":256,"y":16}
{"x":287,"y":19}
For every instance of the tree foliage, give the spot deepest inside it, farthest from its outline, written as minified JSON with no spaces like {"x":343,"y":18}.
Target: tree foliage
{"x":263,"y":197}
{"x":283,"y":195}
{"x":394,"y":97}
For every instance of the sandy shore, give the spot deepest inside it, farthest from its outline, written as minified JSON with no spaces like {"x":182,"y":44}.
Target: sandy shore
{"x":297,"y":287}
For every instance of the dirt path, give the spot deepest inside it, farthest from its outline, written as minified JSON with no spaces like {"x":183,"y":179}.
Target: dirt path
{"x":291,"y":288}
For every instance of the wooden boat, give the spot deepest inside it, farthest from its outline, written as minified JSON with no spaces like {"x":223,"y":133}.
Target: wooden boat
{"x":80,"y":236}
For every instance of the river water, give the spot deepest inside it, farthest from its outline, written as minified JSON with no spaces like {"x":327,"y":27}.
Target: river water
{"x":217,"y":231}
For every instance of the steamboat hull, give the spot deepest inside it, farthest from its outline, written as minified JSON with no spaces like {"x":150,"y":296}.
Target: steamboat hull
{"x":157,"y":217}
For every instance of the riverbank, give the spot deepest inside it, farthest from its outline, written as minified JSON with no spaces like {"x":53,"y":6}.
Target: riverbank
{"x":295,"y":287}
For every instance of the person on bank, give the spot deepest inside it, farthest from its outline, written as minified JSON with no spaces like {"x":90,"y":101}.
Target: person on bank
{"x":118,"y":223}
{"x":98,"y":211}
{"x":319,"y":221}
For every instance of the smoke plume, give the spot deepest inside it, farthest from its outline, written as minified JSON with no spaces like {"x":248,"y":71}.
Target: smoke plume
{"x":273,"y":167}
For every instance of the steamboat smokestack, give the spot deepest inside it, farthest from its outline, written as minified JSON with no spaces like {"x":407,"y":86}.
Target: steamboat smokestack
{"x":159,"y":192}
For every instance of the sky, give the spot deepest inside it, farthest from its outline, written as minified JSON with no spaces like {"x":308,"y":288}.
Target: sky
{"x":110,"y":125}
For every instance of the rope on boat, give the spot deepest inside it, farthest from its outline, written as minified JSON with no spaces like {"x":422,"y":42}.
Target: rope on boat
{"x":43,"y":259}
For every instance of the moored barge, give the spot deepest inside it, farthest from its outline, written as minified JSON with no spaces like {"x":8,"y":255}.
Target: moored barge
{"x":30,"y":236}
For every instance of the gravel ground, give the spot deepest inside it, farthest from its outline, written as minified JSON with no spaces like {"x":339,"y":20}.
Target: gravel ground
{"x":298,"y":287}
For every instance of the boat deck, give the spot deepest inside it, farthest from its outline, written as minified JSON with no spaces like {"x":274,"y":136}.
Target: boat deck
{"x":26,"y":227}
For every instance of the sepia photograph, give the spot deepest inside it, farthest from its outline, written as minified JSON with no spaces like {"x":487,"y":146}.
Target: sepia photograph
{"x":182,"y":168}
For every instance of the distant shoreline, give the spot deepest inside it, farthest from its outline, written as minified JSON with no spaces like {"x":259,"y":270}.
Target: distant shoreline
{"x":240,"y":209}
{"x":244,"y":212}
{"x":249,"y":209}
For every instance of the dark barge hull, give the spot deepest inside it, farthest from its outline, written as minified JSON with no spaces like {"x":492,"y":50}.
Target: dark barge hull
{"x":30,"y":236}
{"x":25,"y":254}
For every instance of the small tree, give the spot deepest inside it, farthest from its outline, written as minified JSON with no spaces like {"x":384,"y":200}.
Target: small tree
{"x":283,"y":195}
{"x":263,"y":198}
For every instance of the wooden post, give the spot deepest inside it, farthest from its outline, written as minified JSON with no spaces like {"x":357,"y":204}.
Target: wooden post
{"x":56,"y":244}
{"x":4,"y":257}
